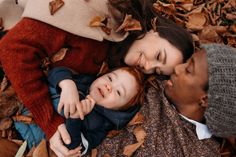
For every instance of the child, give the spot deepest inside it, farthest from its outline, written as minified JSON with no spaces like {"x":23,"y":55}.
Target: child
{"x":115,"y":95}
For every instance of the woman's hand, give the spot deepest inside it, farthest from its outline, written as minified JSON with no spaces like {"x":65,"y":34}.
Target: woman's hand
{"x":57,"y":146}
{"x":87,"y":105}
{"x":69,"y":99}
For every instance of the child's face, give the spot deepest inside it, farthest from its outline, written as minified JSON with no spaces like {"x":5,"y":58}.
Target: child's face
{"x":114,"y":90}
{"x":153,"y":54}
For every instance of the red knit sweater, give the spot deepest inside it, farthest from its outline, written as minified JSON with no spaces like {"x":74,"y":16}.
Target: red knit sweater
{"x":21,"y":52}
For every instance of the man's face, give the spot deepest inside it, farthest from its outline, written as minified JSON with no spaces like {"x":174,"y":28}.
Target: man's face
{"x":186,"y":85}
{"x":114,"y":90}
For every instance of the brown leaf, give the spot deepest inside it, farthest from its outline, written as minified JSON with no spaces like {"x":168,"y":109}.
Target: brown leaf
{"x":97,"y":21}
{"x":55,"y":5}
{"x":94,"y":153}
{"x":196,"y":21}
{"x":137,"y":119}
{"x":4,"y":83}
{"x":219,"y":29}
{"x":187,"y":6}
{"x":106,"y":155}
{"x":209,"y":35}
{"x":130,"y":149}
{"x":168,"y":9}
{"x":30,"y":153}
{"x":5,"y":123}
{"x":140,"y":134}
{"x":113,"y":133}
{"x":104,"y":69}
{"x":8,"y":148}
{"x":23,"y":118}
{"x":233,"y":28}
{"x":230,"y":16}
{"x":41,"y":150}
{"x":59,"y":55}
{"x":129,"y":24}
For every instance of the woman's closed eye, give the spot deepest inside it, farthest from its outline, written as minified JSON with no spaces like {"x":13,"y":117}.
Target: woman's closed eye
{"x":118,"y":92}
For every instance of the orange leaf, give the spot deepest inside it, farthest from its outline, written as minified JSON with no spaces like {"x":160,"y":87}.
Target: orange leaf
{"x":129,"y":24}
{"x":113,"y":133}
{"x":97,"y":21}
{"x":140,"y":134}
{"x":196,"y":21}
{"x":55,"y":5}
{"x":5,"y":123}
{"x":4,"y":83}
{"x":130,"y":149}
{"x":23,"y":118}
{"x":59,"y":55}
{"x":137,"y":119}
{"x":41,"y":150}
{"x":94,"y":153}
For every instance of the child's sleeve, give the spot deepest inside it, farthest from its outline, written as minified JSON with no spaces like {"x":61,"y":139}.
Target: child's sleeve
{"x":80,"y":136}
{"x":56,"y":75}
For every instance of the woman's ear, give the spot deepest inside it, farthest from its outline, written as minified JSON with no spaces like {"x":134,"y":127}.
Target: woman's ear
{"x":204,"y":101}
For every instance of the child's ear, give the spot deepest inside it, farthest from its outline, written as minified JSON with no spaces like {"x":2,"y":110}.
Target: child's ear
{"x":104,"y":69}
{"x":204,"y":101}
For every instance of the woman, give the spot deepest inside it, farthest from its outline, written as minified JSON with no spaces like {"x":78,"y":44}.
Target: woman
{"x":158,"y":47}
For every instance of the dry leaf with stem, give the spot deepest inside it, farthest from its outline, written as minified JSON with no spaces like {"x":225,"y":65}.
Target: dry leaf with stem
{"x":129,"y":24}
{"x":139,"y":133}
{"x":196,"y":21}
{"x":23,"y":118}
{"x":94,"y":153}
{"x":59,"y":55}
{"x":5,"y":123}
{"x":168,"y":9}
{"x":41,"y":150}
{"x":97,"y":21}
{"x":4,"y":83}
{"x":113,"y":133}
{"x":130,"y":149}
{"x":55,"y":5}
{"x":137,"y":119}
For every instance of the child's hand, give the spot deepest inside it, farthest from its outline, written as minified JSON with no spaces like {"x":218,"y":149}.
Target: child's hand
{"x":69,"y":99}
{"x":87,"y":105}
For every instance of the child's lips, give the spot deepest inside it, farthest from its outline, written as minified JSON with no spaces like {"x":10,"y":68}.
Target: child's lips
{"x":101,"y":92}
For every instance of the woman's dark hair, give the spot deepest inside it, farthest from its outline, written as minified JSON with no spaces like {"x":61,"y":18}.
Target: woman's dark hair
{"x":143,"y":11}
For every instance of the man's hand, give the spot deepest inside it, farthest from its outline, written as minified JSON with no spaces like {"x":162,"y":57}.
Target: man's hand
{"x":57,"y":146}
{"x":87,"y":105}
{"x":69,"y":99}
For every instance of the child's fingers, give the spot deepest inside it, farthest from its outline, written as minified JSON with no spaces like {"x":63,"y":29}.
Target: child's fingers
{"x":80,"y":110}
{"x":72,"y":109}
{"x":66,"y":111}
{"x":91,"y":99}
{"x":60,"y":106}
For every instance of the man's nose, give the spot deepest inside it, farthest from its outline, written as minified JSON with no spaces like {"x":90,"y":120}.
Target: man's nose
{"x":108,"y":87}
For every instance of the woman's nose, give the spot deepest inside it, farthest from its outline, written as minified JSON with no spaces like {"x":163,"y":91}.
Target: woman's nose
{"x":149,"y":66}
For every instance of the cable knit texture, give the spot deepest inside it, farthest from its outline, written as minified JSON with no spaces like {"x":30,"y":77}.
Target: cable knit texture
{"x":221,"y":112}
{"x":21,"y":52}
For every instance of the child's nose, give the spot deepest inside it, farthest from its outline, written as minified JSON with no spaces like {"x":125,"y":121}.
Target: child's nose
{"x":108,"y":87}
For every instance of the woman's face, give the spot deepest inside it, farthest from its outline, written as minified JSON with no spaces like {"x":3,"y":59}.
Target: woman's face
{"x":153,"y":54}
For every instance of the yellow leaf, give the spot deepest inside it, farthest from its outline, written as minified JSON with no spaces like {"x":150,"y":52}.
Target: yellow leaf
{"x":130,"y":149}
{"x":140,"y":134}
{"x":59,"y":55}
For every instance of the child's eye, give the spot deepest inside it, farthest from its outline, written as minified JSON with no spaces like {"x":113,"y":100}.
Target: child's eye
{"x":109,"y":78}
{"x":159,"y":56}
{"x":118,"y":92}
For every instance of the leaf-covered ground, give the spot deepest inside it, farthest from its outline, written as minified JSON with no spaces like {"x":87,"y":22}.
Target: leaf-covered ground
{"x":207,"y":20}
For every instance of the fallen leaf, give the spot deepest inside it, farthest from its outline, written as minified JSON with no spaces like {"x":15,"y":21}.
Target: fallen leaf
{"x":94,"y":153}
{"x":230,"y":16}
{"x":129,"y":24}
{"x":8,"y":148}
{"x":55,"y":5}
{"x":104,"y":69}
{"x":140,"y":134}
{"x":113,"y":133}
{"x":187,"y":6}
{"x":58,"y":56}
{"x":196,"y":21}
{"x":130,"y":149}
{"x":41,"y":150}
{"x":106,"y":155}
{"x":97,"y":21}
{"x":21,"y":150}
{"x":168,"y":9}
{"x":4,"y":83}
{"x":23,"y":118}
{"x":5,"y":123}
{"x":208,"y":35}
{"x":137,"y":119}
{"x":233,"y":28}
{"x":106,"y":30}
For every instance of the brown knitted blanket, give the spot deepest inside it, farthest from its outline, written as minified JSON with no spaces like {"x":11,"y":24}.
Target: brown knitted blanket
{"x":167,"y":133}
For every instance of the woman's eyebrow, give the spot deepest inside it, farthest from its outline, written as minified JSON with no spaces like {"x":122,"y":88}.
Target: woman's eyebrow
{"x":164,"y":60}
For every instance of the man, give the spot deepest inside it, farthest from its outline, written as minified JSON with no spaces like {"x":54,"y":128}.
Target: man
{"x":204,"y":89}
